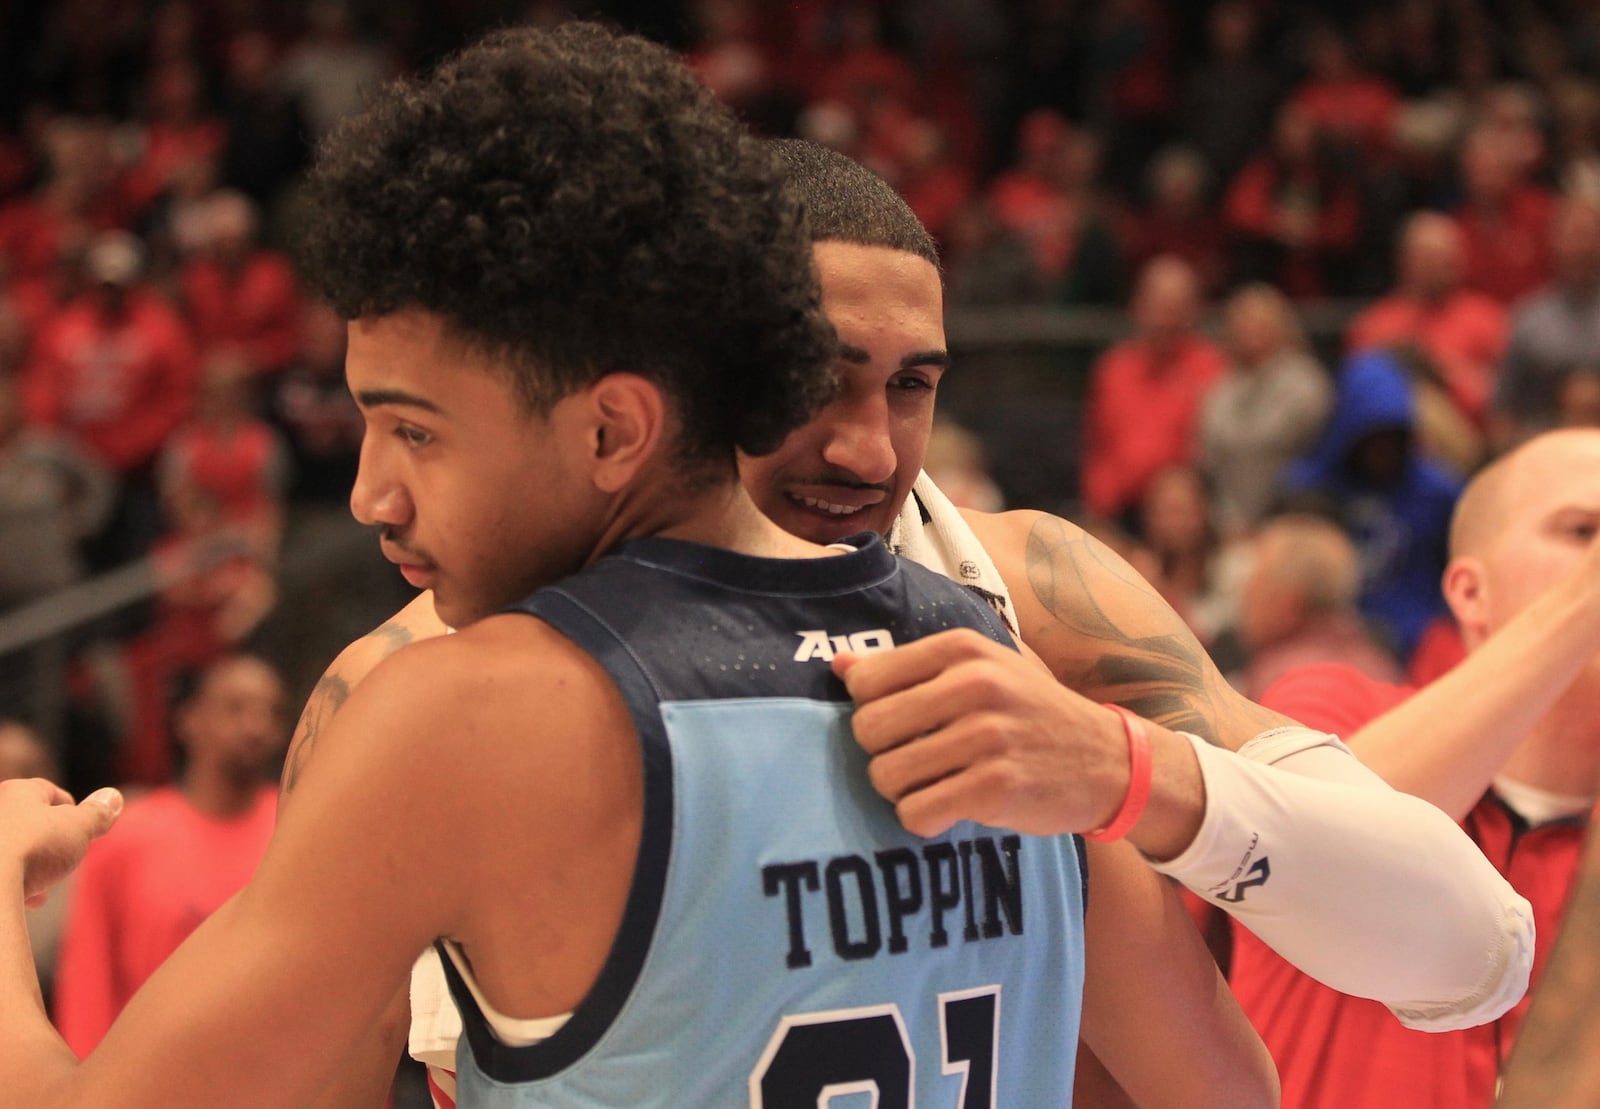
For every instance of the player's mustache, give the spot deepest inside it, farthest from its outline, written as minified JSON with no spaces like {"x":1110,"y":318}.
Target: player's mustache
{"x":392,"y":539}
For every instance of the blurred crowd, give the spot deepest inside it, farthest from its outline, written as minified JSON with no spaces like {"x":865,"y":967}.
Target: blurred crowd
{"x":169,"y":398}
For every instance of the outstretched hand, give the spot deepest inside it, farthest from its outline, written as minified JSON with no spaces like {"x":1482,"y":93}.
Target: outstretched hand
{"x":41,"y":827}
{"x":958,"y":727}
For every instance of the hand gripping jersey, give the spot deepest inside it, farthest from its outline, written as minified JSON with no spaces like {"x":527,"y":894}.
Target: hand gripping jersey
{"x":785,"y":941}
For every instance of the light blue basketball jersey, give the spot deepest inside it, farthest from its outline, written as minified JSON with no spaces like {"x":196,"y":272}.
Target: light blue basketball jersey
{"x":786,"y":943}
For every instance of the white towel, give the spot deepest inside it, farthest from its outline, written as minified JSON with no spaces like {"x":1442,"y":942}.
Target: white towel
{"x":435,"y":1023}
{"x":931,"y":531}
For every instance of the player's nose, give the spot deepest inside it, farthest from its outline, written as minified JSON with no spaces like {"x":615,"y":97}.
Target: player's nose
{"x":858,"y":440}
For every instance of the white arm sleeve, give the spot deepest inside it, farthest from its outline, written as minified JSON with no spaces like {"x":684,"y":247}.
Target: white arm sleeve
{"x":1370,"y":891}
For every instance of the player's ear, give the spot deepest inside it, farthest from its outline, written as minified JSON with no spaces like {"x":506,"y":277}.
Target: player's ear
{"x":629,"y":416}
{"x":1466,"y":590}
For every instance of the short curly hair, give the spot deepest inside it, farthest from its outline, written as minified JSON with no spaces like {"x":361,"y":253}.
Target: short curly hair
{"x":576,"y":203}
{"x":846,"y":202}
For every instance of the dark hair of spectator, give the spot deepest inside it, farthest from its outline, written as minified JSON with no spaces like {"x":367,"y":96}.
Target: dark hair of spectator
{"x":187,"y":686}
{"x":577,"y":203}
{"x":846,"y":202}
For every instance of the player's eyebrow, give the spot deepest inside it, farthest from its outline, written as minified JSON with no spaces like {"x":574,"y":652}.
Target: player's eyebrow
{"x":378,"y":398}
{"x":860,"y":357}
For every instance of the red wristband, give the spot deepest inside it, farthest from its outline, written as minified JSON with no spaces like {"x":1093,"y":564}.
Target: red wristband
{"x":1139,"y":774}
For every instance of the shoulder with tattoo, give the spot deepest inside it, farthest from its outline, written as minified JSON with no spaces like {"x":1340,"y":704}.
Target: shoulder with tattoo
{"x":416,"y":621}
{"x":1104,"y":631}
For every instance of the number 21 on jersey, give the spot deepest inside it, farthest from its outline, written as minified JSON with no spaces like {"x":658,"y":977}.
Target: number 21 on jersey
{"x":816,"y":1057}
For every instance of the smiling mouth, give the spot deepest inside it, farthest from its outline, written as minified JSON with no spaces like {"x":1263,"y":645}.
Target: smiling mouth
{"x":832,"y":508}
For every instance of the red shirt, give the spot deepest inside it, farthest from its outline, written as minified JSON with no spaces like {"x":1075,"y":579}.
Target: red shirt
{"x":168,"y":149}
{"x":1140,"y":417}
{"x":239,"y":466}
{"x":255,"y":309}
{"x":1259,"y":193}
{"x":1465,"y":336}
{"x":119,"y":385}
{"x":32,"y":232}
{"x":1045,"y":217}
{"x":1359,"y":110}
{"x":139,"y":893}
{"x":1339,"y":1052}
{"x":1508,"y":251}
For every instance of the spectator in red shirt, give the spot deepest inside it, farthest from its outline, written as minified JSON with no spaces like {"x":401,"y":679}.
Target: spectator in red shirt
{"x":1180,"y":220}
{"x":77,"y":199}
{"x":1504,"y":742}
{"x":729,"y":55}
{"x":1294,"y":214}
{"x":40,"y":297}
{"x":178,"y":133}
{"x":1504,"y":216}
{"x":1355,"y":108}
{"x":1462,"y":333}
{"x":116,"y":367}
{"x":1047,"y":198}
{"x":232,"y":457}
{"x":1144,"y":393}
{"x":179,"y":852}
{"x":241,"y":297}
{"x":116,"y":370}
{"x":858,"y":69}
{"x":932,"y":182}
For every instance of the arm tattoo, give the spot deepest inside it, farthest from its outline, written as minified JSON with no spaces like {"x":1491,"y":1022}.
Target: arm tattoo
{"x":1165,"y":678}
{"x":326,"y":699}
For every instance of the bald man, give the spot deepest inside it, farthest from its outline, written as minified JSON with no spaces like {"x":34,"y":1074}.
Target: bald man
{"x":1508,"y":749}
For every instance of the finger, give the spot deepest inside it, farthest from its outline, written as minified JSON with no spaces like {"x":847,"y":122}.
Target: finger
{"x":40,"y":789}
{"x":978,"y":794}
{"x":933,"y":810}
{"x":100,"y":810}
{"x":962,"y":689}
{"x":869,"y":677}
{"x":938,"y":754}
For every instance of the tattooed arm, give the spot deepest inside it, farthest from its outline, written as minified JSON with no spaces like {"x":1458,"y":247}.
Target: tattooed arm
{"x":415,"y":621}
{"x":368,"y":1072}
{"x":1298,"y":841}
{"x":1105,"y":632}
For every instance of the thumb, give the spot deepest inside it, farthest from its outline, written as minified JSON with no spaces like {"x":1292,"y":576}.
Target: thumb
{"x":842,"y":663}
{"x":101,"y":809}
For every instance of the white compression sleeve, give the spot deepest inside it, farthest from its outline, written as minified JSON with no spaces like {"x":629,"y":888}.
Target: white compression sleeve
{"x":1371,"y":891}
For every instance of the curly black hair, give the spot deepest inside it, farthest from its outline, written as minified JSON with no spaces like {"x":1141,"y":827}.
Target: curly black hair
{"x":576,"y":203}
{"x":845,"y":201}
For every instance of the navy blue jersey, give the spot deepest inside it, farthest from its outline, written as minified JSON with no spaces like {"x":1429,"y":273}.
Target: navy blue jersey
{"x":786,"y":941}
